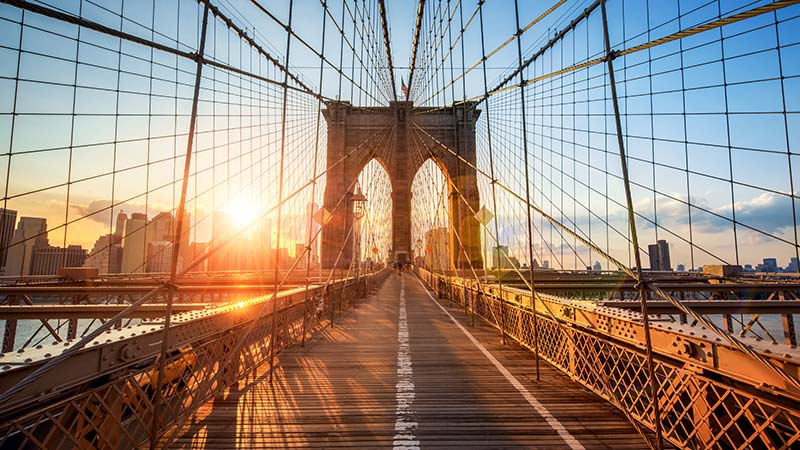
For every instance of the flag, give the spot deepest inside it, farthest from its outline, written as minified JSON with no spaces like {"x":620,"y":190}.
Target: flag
{"x":403,"y":87}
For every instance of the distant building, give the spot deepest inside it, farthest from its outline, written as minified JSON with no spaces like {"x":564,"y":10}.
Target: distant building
{"x":8,"y":219}
{"x":792,"y":267}
{"x":299,"y":250}
{"x":31,"y":234}
{"x":119,"y":229}
{"x":47,"y":260}
{"x":261,"y":245}
{"x":768,"y":265}
{"x":749,"y":268}
{"x":545,"y":264}
{"x":284,"y":261}
{"x":106,"y":255}
{"x":597,"y":266}
{"x":681,"y":268}
{"x":499,"y":255}
{"x":659,"y":256}
{"x":134,"y":244}
{"x":437,"y":248}
{"x":194,"y":251}
{"x":159,"y":257}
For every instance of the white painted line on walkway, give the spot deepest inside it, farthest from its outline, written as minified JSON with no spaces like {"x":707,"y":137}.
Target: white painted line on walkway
{"x":570,"y":440}
{"x":404,"y":425}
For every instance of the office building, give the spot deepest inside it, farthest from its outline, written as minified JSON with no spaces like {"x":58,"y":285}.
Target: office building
{"x":768,"y":265}
{"x":134,"y":244}
{"x":437,"y":249}
{"x":119,"y":229}
{"x":159,"y":257}
{"x":501,"y":258}
{"x":47,"y":260}
{"x":659,"y":256}
{"x":195,"y":251}
{"x":106,"y":254}
{"x":31,"y":234}
{"x":8,"y":219}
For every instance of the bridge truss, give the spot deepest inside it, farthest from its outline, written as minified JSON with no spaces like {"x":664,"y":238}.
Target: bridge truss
{"x":605,"y":126}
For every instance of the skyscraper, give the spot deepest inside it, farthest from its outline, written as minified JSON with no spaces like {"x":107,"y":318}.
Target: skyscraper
{"x":8,"y":218}
{"x":437,"y":242}
{"x":47,"y":260}
{"x":500,"y":258}
{"x":659,"y":256}
{"x":134,"y":244}
{"x":31,"y":234}
{"x":119,"y":230}
{"x":106,"y":255}
{"x":221,"y":227}
{"x":159,"y":257}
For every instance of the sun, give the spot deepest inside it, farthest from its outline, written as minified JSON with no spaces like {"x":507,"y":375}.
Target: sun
{"x":243,"y":212}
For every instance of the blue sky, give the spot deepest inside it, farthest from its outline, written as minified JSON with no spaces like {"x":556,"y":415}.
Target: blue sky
{"x":718,"y":133}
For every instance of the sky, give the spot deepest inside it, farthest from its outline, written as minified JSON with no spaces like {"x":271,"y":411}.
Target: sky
{"x":710,"y":121}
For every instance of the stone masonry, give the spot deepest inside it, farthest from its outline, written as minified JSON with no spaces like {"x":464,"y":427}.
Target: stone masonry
{"x":350,"y":127}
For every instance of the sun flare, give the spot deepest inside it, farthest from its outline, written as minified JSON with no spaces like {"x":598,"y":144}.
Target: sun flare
{"x":242,"y":212}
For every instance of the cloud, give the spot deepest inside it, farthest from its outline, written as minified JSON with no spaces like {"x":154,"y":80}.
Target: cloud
{"x":768,"y":212}
{"x":100,"y":210}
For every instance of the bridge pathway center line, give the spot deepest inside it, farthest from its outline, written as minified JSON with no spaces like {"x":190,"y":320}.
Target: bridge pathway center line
{"x":405,"y":425}
{"x":570,"y":440}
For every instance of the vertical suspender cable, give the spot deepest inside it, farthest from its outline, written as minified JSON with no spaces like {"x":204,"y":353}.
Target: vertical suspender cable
{"x":641,"y":284}
{"x":527,"y":189}
{"x":276,"y":259}
{"x":176,"y":236}
{"x":491,"y":174}
{"x":311,"y":211}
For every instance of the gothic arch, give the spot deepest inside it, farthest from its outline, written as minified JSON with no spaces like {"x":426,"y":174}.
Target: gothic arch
{"x":437,"y":130}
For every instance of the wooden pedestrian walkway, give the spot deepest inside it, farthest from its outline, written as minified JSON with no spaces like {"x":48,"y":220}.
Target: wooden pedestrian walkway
{"x":400,"y":371}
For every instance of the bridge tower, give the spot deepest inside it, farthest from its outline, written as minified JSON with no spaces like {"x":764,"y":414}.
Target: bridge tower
{"x":354,"y":136}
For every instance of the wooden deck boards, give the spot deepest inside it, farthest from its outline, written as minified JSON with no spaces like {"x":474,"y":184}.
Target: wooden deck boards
{"x":340,"y":390}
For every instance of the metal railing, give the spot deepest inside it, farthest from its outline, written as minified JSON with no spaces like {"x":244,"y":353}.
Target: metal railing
{"x":711,"y":395}
{"x":103,"y":397}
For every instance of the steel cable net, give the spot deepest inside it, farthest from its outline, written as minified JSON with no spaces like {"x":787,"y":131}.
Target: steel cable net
{"x":167,"y":159}
{"x":701,"y":110}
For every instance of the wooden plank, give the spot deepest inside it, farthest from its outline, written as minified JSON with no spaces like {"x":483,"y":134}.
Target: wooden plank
{"x":340,"y":391}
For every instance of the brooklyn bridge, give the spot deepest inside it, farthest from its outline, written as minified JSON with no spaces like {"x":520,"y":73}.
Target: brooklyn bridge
{"x":407,"y":224}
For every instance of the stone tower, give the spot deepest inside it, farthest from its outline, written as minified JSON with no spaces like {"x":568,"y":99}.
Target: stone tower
{"x":448,"y":139}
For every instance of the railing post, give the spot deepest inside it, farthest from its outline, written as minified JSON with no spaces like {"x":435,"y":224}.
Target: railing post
{"x":10,"y":332}
{"x":789,"y":334}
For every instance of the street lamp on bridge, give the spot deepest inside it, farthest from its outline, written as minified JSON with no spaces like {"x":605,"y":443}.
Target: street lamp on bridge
{"x":359,"y":209}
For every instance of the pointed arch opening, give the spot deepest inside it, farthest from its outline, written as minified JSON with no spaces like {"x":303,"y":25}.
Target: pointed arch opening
{"x":376,"y":225}
{"x":431,"y":233}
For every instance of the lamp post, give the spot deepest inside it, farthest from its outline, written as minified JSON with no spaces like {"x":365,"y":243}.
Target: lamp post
{"x":484,"y":216}
{"x":359,"y":207}
{"x":419,"y":251}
